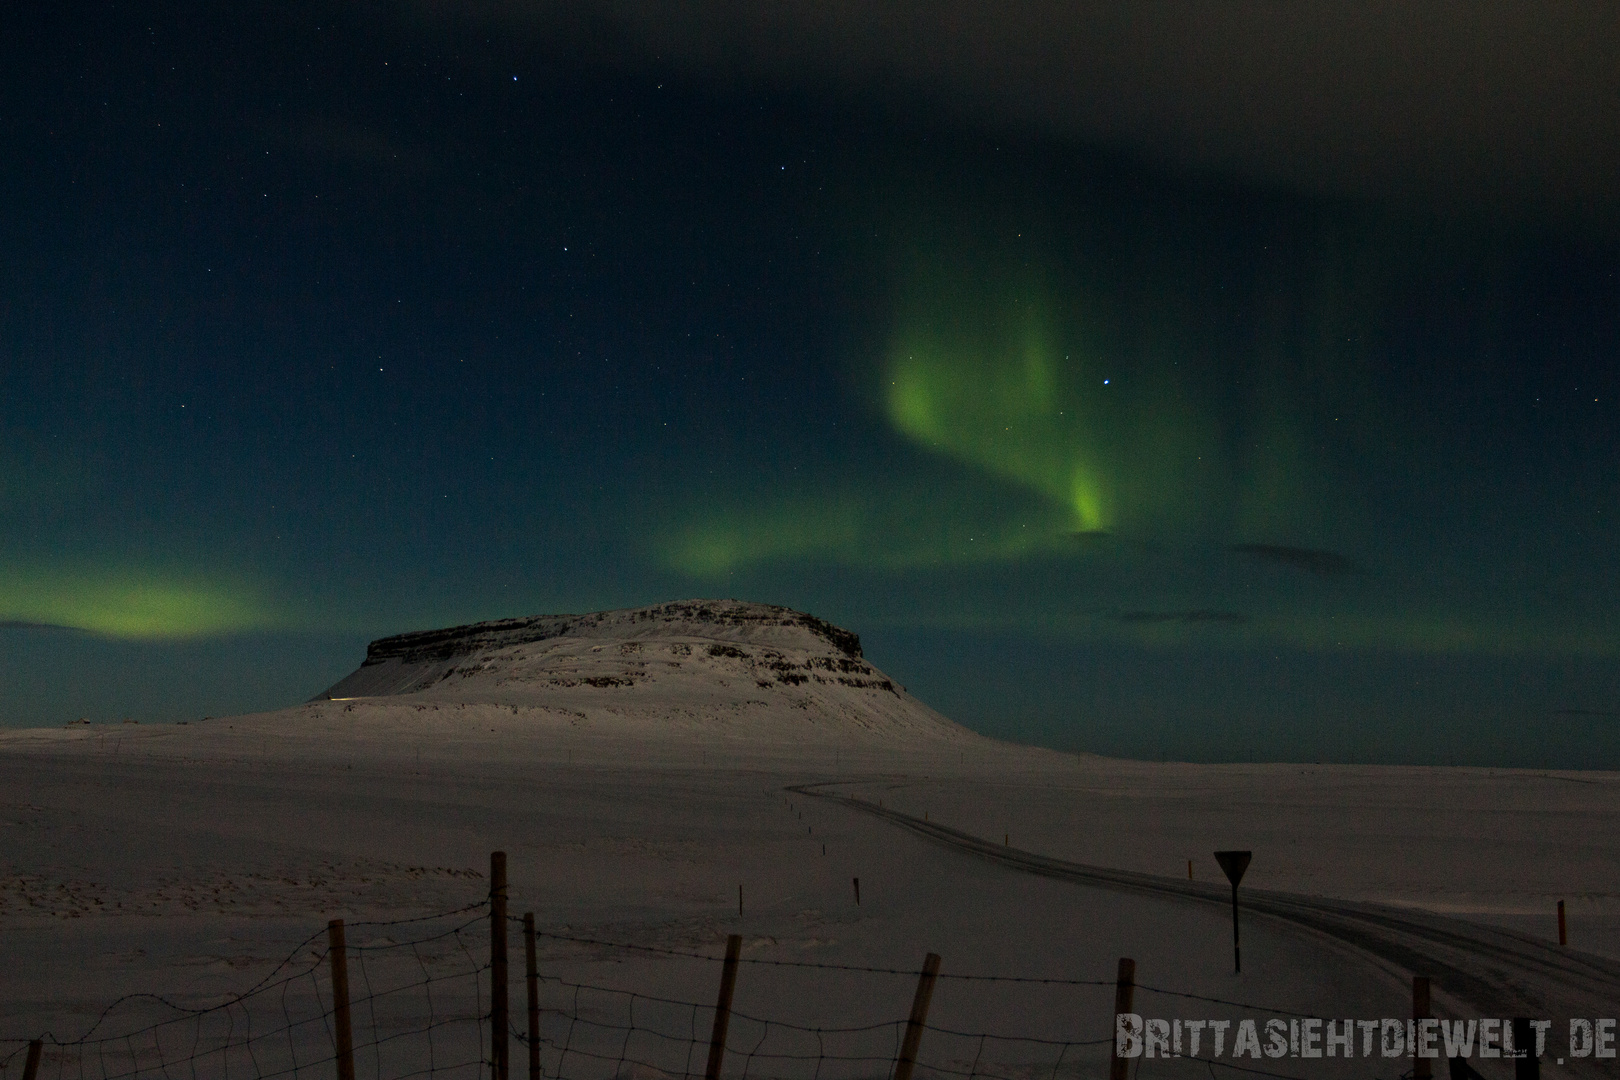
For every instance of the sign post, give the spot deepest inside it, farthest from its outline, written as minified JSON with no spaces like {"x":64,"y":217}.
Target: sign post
{"x":1234,"y":863}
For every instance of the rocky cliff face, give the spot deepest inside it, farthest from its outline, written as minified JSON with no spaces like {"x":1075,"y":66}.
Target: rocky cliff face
{"x":718,"y":619}
{"x":691,"y":663}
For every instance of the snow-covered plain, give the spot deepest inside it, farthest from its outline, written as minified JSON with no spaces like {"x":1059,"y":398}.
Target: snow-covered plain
{"x":640,"y":767}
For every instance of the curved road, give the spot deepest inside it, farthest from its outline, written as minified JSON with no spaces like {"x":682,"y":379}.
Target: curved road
{"x":1494,"y":972}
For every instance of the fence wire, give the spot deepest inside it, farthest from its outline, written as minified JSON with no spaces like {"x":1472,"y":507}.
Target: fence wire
{"x":420,"y":1006}
{"x":417,"y":1007}
{"x":590,"y":1032}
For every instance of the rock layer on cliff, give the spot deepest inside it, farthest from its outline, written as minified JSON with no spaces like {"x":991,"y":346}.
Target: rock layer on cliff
{"x":695,"y":663}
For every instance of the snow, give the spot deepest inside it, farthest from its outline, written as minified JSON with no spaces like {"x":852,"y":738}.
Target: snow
{"x":185,"y":859}
{"x":766,"y":672}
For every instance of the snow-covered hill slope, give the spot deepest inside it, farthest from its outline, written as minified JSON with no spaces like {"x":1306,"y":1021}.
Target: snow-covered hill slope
{"x":702,"y":664}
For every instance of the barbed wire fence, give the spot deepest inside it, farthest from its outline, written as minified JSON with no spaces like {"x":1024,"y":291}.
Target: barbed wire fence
{"x":429,"y":997}
{"x":419,"y":1012}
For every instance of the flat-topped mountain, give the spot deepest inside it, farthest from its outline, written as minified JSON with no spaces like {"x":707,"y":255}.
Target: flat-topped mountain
{"x":693,"y":663}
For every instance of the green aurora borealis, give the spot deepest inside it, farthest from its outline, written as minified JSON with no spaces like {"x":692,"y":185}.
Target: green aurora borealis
{"x":136,"y":604}
{"x":1091,"y":449}
{"x":1179,"y":478}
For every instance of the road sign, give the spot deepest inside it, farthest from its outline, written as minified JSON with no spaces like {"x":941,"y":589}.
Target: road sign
{"x":1234,"y":863}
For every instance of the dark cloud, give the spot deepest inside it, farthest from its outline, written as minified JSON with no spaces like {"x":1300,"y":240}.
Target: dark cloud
{"x":1184,"y":617}
{"x":20,"y":624}
{"x":1311,"y":560}
{"x":1470,"y":101}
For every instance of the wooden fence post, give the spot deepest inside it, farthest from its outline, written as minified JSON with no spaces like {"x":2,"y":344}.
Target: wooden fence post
{"x":1119,"y":1068}
{"x":1528,"y":1065}
{"x":1421,"y":1069}
{"x":722,"y":1008}
{"x":342,"y":1030}
{"x":919,"y":1017}
{"x":531,"y":978}
{"x":31,"y":1066}
{"x":497,"y":967}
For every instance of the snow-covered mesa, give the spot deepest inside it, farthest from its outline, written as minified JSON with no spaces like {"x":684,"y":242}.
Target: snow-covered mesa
{"x":720,"y":667}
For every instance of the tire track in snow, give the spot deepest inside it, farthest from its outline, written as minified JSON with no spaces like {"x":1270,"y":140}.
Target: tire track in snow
{"x":1495,"y":972}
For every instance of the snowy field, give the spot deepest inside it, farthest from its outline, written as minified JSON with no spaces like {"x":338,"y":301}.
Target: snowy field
{"x":191,"y":861}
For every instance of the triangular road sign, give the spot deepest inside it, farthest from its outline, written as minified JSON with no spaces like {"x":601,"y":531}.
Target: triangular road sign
{"x":1234,"y":863}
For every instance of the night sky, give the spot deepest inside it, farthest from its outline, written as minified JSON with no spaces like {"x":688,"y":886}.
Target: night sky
{"x":1206,"y":384}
